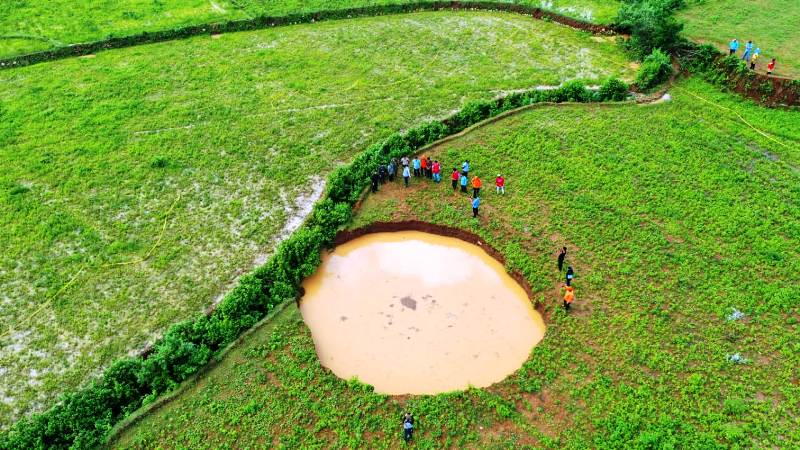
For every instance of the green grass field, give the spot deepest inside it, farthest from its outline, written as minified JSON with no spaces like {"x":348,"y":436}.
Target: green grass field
{"x":33,"y":25}
{"x":675,"y":214}
{"x":770,"y":24}
{"x":222,"y":145}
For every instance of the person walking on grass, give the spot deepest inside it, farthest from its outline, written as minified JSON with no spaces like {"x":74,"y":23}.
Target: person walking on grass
{"x":408,"y":427}
{"x":733,"y":47}
{"x":464,"y":182}
{"x":748,"y":49}
{"x":423,"y":162}
{"x":429,"y":165}
{"x":500,"y":184}
{"x":570,"y":275}
{"x":753,"y":60}
{"x":406,"y":175}
{"x":771,"y":66}
{"x":383,"y":173}
{"x":416,"y":164}
{"x":465,"y":168}
{"x":437,"y":171}
{"x":476,"y":203}
{"x":569,"y":297}
{"x":404,"y":161}
{"x":561,"y":256}
{"x":454,"y":178}
{"x":476,"y":186}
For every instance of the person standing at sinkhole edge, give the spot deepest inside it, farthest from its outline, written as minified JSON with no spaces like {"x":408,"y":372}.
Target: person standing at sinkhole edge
{"x":561,"y":256}
{"x":408,"y":426}
{"x":476,"y":202}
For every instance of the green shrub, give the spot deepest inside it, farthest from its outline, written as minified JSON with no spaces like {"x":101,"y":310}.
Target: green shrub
{"x":655,"y":69}
{"x":612,"y":90}
{"x":651,"y":25}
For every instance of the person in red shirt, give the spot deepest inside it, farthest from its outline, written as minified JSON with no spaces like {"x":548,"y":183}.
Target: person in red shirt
{"x":437,"y":171}
{"x":454,"y":176}
{"x":500,"y":184}
{"x":771,"y":66}
{"x":424,"y":162}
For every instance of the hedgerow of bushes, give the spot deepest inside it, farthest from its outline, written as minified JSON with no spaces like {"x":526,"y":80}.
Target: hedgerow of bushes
{"x":82,"y":419}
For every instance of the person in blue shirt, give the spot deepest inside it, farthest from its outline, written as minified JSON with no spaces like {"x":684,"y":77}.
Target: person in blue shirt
{"x":406,"y":175}
{"x":465,"y":168}
{"x":408,"y":427}
{"x":476,"y":202}
{"x":417,"y":166}
{"x":748,"y":49}
{"x":734,"y":46}
{"x":464,"y":182}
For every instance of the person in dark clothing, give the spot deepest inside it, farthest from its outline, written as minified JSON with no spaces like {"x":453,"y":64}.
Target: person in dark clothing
{"x":429,"y":168}
{"x":408,"y":426}
{"x":561,"y":255}
{"x":383,"y":173}
{"x":375,"y":180}
{"x":570,"y":276}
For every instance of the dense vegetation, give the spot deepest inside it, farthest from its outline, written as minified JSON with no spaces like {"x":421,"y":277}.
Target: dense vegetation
{"x":676,"y":215}
{"x":33,"y":25}
{"x":224,"y":141}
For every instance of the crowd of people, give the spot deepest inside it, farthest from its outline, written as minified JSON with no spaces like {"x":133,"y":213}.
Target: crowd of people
{"x":424,"y":167}
{"x":750,"y":55}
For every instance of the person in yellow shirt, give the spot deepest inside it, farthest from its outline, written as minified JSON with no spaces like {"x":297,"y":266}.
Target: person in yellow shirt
{"x":753,"y":60}
{"x":569,"y":297}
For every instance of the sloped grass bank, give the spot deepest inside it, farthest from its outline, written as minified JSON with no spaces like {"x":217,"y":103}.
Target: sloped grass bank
{"x":226,"y":141}
{"x":675,"y":214}
{"x":28,"y":27}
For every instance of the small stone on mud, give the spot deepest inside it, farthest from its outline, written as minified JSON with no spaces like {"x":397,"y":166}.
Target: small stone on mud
{"x":409,"y":302}
{"x":343,"y":318}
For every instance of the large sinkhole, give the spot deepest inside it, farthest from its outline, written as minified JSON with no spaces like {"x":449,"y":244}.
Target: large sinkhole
{"x":417,"y":313}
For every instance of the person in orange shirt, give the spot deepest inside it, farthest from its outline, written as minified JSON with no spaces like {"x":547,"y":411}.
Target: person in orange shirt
{"x":424,"y":162}
{"x":569,"y":297}
{"x":476,"y":186}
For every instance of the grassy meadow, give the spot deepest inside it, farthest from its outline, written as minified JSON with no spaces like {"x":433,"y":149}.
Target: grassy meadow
{"x":675,"y":215}
{"x":33,"y":25}
{"x":770,"y":24}
{"x":138,"y":184}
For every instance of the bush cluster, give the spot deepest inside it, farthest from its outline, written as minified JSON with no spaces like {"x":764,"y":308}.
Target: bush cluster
{"x":651,"y":25}
{"x":82,"y":419}
{"x":656,"y":69}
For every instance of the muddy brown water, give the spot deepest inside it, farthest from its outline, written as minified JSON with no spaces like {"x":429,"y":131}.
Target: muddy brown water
{"x":416,"y":313}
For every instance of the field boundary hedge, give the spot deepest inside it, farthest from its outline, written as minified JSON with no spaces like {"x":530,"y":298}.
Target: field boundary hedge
{"x":262,"y":22}
{"x":84,"y":418}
